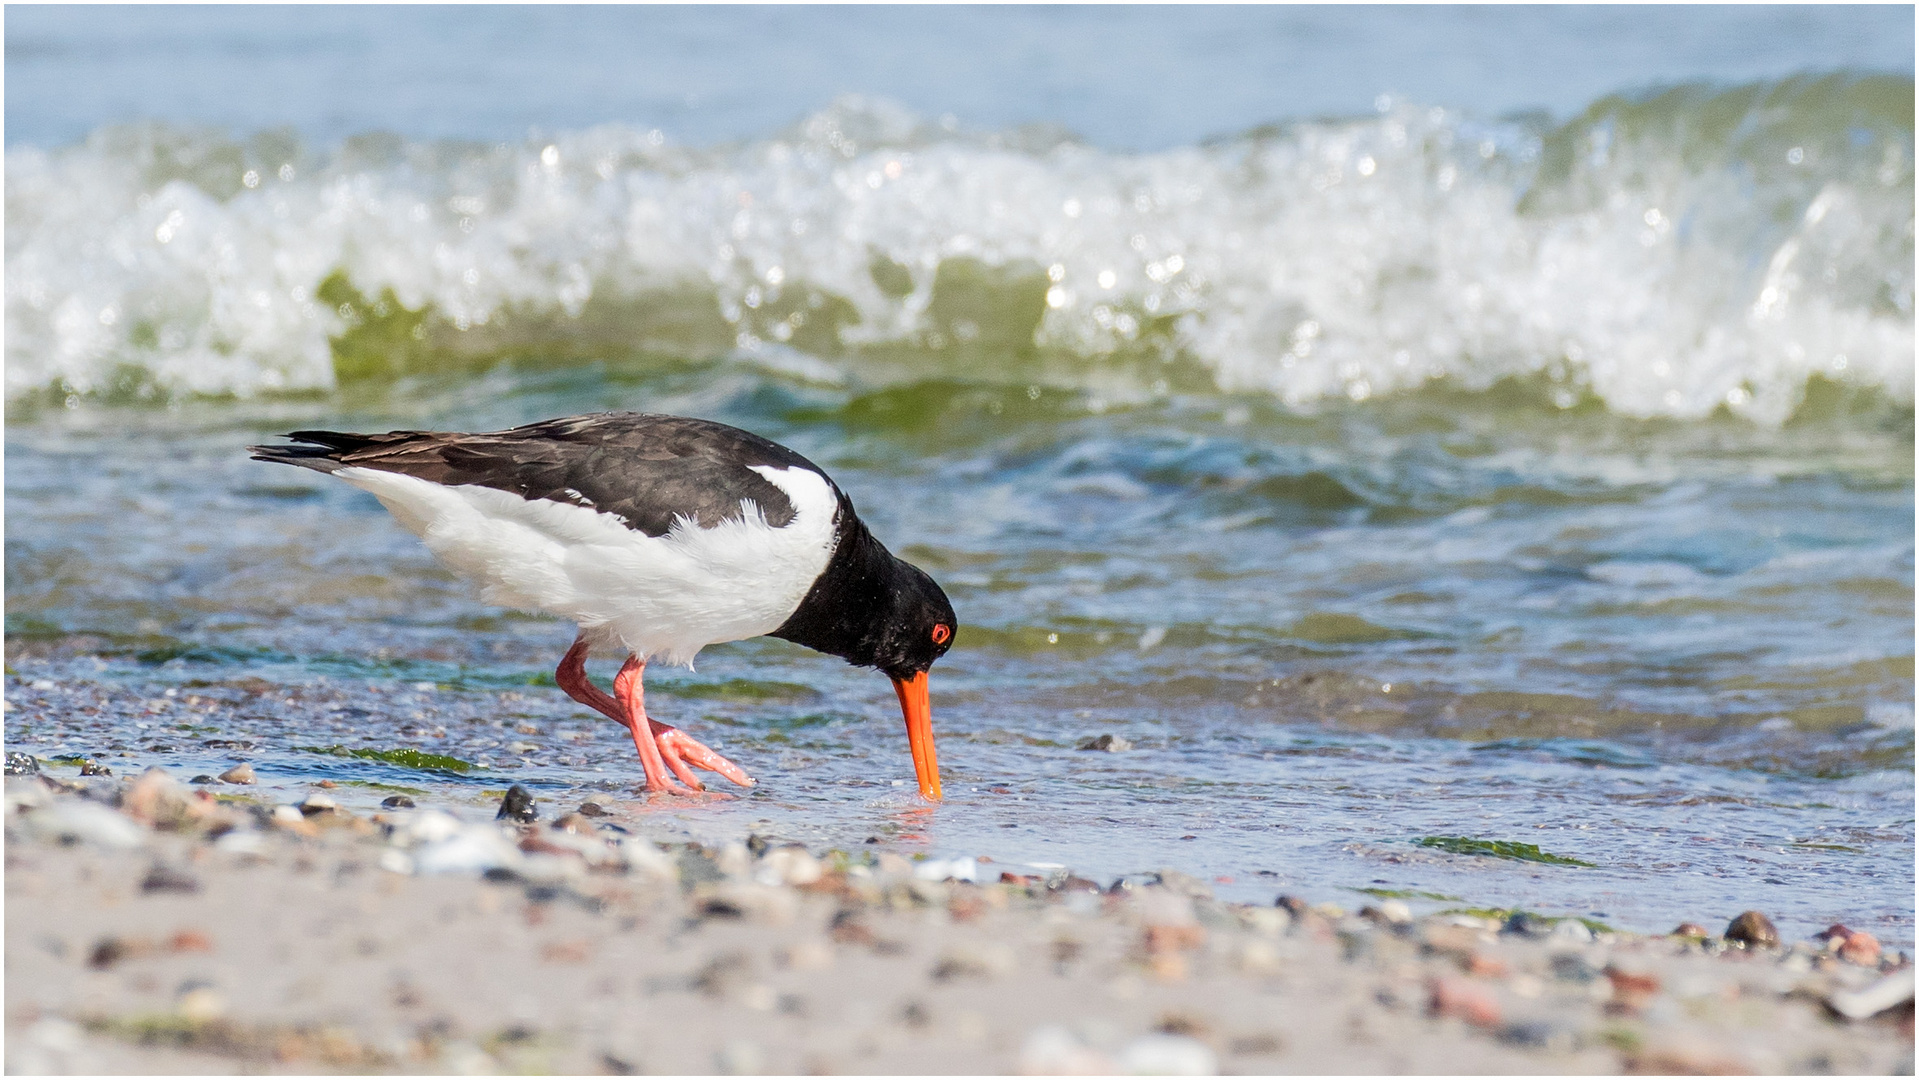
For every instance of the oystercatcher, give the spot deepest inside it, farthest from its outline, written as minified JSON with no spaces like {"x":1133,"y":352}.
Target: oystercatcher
{"x":658,"y":535}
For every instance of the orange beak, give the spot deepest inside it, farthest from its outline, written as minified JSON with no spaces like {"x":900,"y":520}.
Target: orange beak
{"x":919,"y":733}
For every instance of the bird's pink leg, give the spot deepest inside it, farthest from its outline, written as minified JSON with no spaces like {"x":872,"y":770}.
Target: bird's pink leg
{"x":571,"y":676}
{"x":627,"y":687}
{"x":676,"y":747}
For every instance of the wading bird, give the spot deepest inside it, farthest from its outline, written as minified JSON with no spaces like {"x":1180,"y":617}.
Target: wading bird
{"x":659,"y":536}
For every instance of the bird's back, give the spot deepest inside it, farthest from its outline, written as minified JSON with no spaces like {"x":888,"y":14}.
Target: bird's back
{"x":645,"y":469}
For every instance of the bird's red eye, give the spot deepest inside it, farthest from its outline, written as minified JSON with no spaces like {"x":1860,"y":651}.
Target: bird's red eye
{"x":941,"y":634}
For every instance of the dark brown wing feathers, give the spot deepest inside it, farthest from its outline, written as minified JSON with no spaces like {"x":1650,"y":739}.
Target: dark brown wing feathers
{"x":646,"y":469}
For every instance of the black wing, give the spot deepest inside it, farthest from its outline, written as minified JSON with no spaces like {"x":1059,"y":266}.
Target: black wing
{"x":644,"y":468}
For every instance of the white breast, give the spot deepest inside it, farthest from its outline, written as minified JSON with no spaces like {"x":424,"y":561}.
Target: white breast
{"x":667,"y":596}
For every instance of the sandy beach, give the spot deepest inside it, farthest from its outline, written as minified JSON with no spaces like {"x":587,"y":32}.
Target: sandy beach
{"x":154,"y":927}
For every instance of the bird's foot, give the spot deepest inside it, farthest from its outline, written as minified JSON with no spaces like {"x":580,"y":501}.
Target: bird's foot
{"x":681,"y":750}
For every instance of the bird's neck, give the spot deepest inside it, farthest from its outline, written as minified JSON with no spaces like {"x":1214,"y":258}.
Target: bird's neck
{"x":844,"y":612}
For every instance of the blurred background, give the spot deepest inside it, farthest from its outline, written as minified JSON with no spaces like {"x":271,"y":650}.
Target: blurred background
{"x":1386,"y":423}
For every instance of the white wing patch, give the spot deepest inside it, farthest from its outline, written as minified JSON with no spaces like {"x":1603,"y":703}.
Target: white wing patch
{"x":667,"y":596}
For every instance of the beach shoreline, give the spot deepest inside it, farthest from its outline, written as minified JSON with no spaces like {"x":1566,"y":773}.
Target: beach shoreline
{"x":152,"y":927}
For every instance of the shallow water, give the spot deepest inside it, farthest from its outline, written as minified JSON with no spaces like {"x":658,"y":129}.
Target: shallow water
{"x":1378,"y":478}
{"x":1679,"y":652}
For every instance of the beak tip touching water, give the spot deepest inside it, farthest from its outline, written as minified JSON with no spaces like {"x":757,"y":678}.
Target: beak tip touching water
{"x":917,"y":707}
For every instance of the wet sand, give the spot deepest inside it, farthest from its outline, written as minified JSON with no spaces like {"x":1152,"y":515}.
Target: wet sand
{"x":152,"y":927}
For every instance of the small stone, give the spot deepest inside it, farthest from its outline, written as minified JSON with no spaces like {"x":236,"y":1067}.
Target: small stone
{"x":1753,"y":930}
{"x":1390,"y":913}
{"x":90,"y":767}
{"x":19,"y":764}
{"x":166,"y":879}
{"x":239,"y":774}
{"x":592,"y":809}
{"x":318,"y":804}
{"x":1631,"y":989}
{"x":1456,"y":997}
{"x":1860,"y":948}
{"x":1070,"y":884}
{"x":111,"y":950}
{"x":1690,"y":930}
{"x":328,"y":784}
{"x":190,"y":941}
{"x":200,"y":1005}
{"x":1526,"y":924}
{"x":1294,"y":906}
{"x":396,"y":802}
{"x":517,"y":805}
{"x":1572,"y":930}
{"x":1168,"y":1055}
{"x":1571,"y":967}
{"x":203,"y":779}
{"x":1112,"y":744}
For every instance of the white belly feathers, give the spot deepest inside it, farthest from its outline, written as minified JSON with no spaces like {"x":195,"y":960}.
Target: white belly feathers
{"x":667,"y":596}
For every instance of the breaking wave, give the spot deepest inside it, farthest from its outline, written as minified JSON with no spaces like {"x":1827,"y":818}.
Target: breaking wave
{"x":1669,"y":254}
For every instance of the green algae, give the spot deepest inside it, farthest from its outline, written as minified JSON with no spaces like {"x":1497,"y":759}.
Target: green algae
{"x":1498,"y":849}
{"x":405,"y":758}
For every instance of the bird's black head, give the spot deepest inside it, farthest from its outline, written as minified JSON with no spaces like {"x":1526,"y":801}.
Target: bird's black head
{"x":874,"y":609}
{"x":918,"y":626}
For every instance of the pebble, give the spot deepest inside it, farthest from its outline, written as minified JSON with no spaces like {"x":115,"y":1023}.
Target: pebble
{"x":200,"y":1005}
{"x":592,"y":809}
{"x":1689,"y":930}
{"x":1860,"y":948}
{"x":1068,"y":884}
{"x":19,"y":764}
{"x":1168,"y":1055}
{"x":1456,"y":997}
{"x":965,"y":868}
{"x":1390,"y":913}
{"x":189,"y":941}
{"x":1527,"y":924}
{"x":90,"y":767}
{"x":1572,"y":930}
{"x":1055,"y":1051}
{"x":166,"y":879}
{"x":396,"y":802}
{"x":1753,"y":930}
{"x":517,"y":805}
{"x":1112,"y":744}
{"x":203,"y":778}
{"x":239,"y":774}
{"x":318,"y":804}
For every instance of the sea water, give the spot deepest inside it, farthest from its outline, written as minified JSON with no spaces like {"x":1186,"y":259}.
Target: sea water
{"x":1378,"y":477}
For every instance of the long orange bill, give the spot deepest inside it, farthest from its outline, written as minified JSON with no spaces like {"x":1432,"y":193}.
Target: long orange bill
{"x":919,"y":733}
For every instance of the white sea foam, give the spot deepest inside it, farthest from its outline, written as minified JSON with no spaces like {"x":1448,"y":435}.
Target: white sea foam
{"x":1665,"y":265}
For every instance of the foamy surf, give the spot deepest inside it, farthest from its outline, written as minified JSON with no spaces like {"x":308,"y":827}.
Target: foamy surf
{"x":1670,"y":256}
